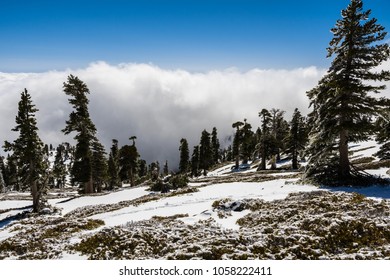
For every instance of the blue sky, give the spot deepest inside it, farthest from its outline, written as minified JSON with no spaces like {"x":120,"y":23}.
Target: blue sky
{"x":42,"y":35}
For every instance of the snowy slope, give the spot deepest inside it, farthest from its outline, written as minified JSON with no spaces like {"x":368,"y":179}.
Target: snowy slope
{"x":134,"y":210}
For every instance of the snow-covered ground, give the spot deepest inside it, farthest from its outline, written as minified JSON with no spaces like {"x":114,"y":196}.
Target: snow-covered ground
{"x":118,"y":209}
{"x":198,"y":205}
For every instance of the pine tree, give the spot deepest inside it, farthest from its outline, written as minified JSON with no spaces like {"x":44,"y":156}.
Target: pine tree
{"x":11,"y":171}
{"x":143,"y":168}
{"x":99,"y":166}
{"x":205,"y":152}
{"x":215,"y":146}
{"x":342,"y":106}
{"x":128,"y":161}
{"x":166,"y":169}
{"x":297,"y":137}
{"x":280,"y":130}
{"x":28,"y":151}
{"x":266,"y":145}
{"x":195,"y":162}
{"x":237,"y":142}
{"x":248,"y":145}
{"x":113,"y":166}
{"x":184,"y":156}
{"x":59,"y":168}
{"x":81,"y":123}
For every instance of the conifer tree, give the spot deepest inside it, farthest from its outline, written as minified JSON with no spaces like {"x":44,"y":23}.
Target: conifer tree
{"x":166,"y":169}
{"x":343,"y":104}
{"x":237,"y":142}
{"x":215,"y":146}
{"x":184,"y":156}
{"x":195,"y":162}
{"x":28,"y":151}
{"x":267,"y":143}
{"x":143,"y":168}
{"x":113,"y":166}
{"x":99,"y":166}
{"x":80,"y":122}
{"x":280,"y":130}
{"x":11,"y":171}
{"x":59,"y":168}
{"x":248,"y":145}
{"x":128,"y":161}
{"x":205,"y":152}
{"x":297,"y":137}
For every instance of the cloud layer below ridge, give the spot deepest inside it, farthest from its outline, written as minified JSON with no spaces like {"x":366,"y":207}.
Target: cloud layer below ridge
{"x":159,"y":106}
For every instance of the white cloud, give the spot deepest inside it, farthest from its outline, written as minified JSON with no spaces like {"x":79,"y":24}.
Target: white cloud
{"x":159,"y":106}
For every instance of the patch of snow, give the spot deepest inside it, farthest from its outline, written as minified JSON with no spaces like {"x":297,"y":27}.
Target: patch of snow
{"x":111,"y":198}
{"x":197,"y":204}
{"x":11,"y":204}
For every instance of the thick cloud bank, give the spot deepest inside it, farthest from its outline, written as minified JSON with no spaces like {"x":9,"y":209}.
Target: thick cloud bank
{"x":159,"y":106}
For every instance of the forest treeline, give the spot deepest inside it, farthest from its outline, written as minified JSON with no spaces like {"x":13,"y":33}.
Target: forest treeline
{"x":344,"y":109}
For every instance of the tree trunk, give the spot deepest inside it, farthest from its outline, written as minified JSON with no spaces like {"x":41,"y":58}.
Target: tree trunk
{"x":88,"y":186}
{"x":344,"y":168}
{"x":294,"y":159}
{"x":35,"y":196}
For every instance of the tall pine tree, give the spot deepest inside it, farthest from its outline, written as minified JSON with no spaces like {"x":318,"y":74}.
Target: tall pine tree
{"x":266,"y":146}
{"x":99,"y":166}
{"x":237,"y":142}
{"x":28,"y":151}
{"x":205,"y":152}
{"x":128,"y":161}
{"x":195,"y":162}
{"x":342,"y":104}
{"x":113,"y":166}
{"x":215,"y":145}
{"x":184,"y":156}
{"x":297,"y":137}
{"x":80,"y":122}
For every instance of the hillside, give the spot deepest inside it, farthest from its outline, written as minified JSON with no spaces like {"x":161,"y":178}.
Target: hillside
{"x":225,"y":215}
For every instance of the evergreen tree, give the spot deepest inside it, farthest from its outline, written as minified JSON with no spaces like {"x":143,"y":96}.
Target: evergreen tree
{"x":113,"y":166}
{"x":59,"y":167}
{"x":128,"y":161}
{"x":28,"y":151}
{"x":166,"y":169}
{"x":154,"y":170}
{"x":81,"y":123}
{"x":297,"y":138}
{"x":99,"y":166}
{"x":266,"y":145}
{"x":11,"y":174}
{"x":237,"y":142}
{"x":229,"y":153}
{"x":205,"y":152}
{"x":143,"y":168}
{"x":184,"y":156}
{"x":215,"y":146}
{"x":248,"y":145}
{"x":342,"y":106}
{"x":280,"y":130}
{"x":195,"y":162}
